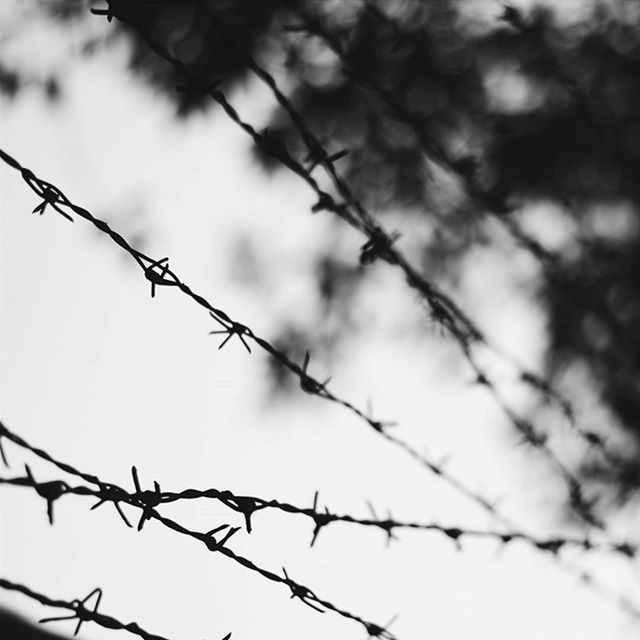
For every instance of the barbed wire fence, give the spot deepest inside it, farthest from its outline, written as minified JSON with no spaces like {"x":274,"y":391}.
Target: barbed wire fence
{"x":149,"y":501}
{"x":157,"y":272}
{"x":379,"y":245}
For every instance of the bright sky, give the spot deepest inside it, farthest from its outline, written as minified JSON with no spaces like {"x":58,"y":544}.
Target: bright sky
{"x":101,"y":376}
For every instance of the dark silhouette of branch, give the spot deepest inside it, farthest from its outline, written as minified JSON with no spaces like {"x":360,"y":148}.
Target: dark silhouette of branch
{"x":82,"y":612}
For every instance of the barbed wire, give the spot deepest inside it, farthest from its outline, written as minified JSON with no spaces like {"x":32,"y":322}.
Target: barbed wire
{"x":322,"y":517}
{"x":380,"y":245}
{"x":149,"y":500}
{"x":464,"y":169}
{"x":159,"y":274}
{"x":248,"y":506}
{"x":81,"y":612}
{"x":441,"y":306}
{"x":312,"y":25}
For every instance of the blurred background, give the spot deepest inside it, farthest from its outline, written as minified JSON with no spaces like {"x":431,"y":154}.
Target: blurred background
{"x":500,"y":143}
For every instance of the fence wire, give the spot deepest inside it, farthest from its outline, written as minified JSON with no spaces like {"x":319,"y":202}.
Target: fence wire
{"x":148,"y":501}
{"x":380,"y":245}
{"x":158,"y":273}
{"x":248,"y":506}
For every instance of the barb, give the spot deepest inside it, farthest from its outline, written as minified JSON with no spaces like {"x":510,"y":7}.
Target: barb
{"x":81,"y":612}
{"x":308,"y":383}
{"x":247,"y":506}
{"x":443,"y":310}
{"x":147,"y":502}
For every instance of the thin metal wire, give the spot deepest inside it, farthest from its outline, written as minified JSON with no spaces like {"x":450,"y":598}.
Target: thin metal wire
{"x":442,"y":308}
{"x":311,"y":24}
{"x":147,"y":502}
{"x":159,"y":274}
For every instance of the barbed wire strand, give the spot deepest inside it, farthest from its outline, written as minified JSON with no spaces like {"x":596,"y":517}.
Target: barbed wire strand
{"x":248,"y":506}
{"x":81,"y":612}
{"x":416,"y":121}
{"x":163,"y":278}
{"x":159,"y":274}
{"x":442,"y":308}
{"x":314,"y":147}
{"x":380,"y":245}
{"x":149,"y":500}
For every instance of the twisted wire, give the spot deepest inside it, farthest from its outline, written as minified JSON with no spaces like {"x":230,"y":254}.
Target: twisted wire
{"x":311,"y":24}
{"x":159,"y":274}
{"x":148,"y":501}
{"x":380,"y":245}
{"x":321,"y":517}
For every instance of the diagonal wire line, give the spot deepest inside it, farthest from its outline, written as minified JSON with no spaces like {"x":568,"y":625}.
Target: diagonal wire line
{"x":165,"y":277}
{"x":417,"y":122}
{"x":248,"y":506}
{"x":81,"y":612}
{"x":442,"y":309}
{"x":149,"y":500}
{"x":534,"y":437}
{"x":158,"y":273}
